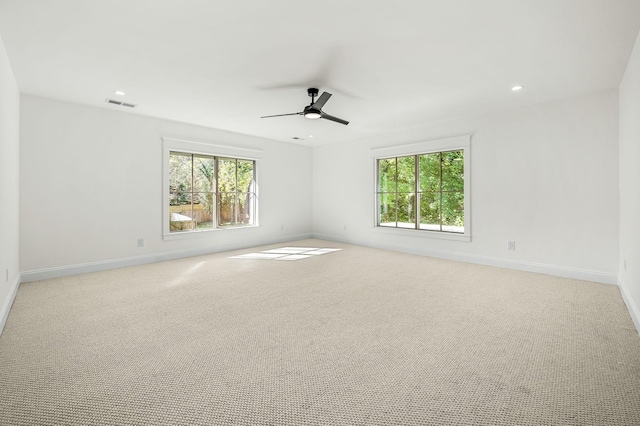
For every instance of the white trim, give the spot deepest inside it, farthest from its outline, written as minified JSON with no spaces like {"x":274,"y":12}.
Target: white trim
{"x":202,"y":233}
{"x":519,"y":265}
{"x":581,"y":274}
{"x":208,"y":148}
{"x":633,"y":309}
{"x":6,"y":306}
{"x":103,"y":265}
{"x":205,"y":148}
{"x":422,"y":233}
{"x":462,"y":142}
{"x":455,"y":142}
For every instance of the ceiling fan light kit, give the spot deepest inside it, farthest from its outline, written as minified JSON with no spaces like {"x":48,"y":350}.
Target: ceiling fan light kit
{"x":313,"y":111}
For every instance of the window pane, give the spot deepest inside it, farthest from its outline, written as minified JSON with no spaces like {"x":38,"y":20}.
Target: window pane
{"x":180,"y":199}
{"x":179,"y":172}
{"x":203,"y":209}
{"x":246,"y":208}
{"x":226,"y":175}
{"x":387,"y":209}
{"x":245,"y":176}
{"x":203,"y":173}
{"x":430,"y":210}
{"x":387,"y":175}
{"x":406,"y":210}
{"x":227,"y":209}
{"x":406,"y":174}
{"x":453,"y":211}
{"x":181,"y":215}
{"x":430,"y":172}
{"x":453,"y":171}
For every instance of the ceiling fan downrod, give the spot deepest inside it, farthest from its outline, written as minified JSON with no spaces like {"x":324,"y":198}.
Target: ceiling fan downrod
{"x":313,"y":92}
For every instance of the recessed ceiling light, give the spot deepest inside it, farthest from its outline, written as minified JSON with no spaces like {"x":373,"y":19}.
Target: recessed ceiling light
{"x":517,"y":87}
{"x":310,"y":136}
{"x":119,"y":92}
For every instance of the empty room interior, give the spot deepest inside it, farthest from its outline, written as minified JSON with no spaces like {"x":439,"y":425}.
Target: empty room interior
{"x":342,"y":213}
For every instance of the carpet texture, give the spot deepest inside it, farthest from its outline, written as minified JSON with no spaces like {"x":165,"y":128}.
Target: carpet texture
{"x":353,"y":337}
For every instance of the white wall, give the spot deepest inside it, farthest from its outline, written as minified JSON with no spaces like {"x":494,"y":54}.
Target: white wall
{"x":545,"y":176}
{"x":548,"y":176}
{"x":630,"y":185}
{"x":91,"y":185}
{"x":9,"y":185}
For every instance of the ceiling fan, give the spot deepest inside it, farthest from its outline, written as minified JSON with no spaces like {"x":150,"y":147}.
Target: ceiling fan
{"x":314,"y":111}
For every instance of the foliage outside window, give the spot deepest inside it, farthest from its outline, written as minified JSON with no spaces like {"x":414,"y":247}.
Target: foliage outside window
{"x":208,"y":192}
{"x":423,"y":191}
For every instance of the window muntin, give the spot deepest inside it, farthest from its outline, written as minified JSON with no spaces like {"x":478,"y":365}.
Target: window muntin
{"x":422,"y":191}
{"x":208,"y":192}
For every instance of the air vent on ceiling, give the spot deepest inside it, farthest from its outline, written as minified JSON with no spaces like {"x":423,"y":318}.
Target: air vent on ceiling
{"x":124,"y":104}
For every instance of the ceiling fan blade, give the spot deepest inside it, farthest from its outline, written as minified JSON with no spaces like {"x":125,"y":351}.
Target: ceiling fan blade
{"x":336,"y":119}
{"x":282,"y":115}
{"x":321,"y":100}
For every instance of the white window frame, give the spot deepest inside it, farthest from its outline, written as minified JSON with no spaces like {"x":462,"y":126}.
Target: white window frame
{"x":426,"y":147}
{"x":203,"y":148}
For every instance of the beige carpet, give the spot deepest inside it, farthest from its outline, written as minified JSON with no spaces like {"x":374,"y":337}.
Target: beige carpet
{"x":352,"y":337}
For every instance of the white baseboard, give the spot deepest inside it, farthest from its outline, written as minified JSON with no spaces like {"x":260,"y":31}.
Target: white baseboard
{"x":560,"y":271}
{"x":6,"y":306}
{"x":633,"y":309}
{"x":103,"y":265}
{"x":587,"y":275}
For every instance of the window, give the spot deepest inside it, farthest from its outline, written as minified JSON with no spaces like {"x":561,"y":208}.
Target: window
{"x":422,"y":191}
{"x":424,"y":186}
{"x":207,"y":192}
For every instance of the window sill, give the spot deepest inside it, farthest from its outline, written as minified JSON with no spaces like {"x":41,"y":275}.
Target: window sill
{"x":201,"y":233}
{"x":422,"y":233}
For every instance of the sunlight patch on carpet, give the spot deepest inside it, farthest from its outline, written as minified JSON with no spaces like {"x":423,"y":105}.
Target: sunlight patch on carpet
{"x":287,"y":253}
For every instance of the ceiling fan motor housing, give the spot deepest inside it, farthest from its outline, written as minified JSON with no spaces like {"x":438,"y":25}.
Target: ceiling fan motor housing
{"x":312,"y":113}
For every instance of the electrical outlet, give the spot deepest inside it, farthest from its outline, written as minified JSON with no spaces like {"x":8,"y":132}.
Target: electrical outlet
{"x":140,"y":242}
{"x":511,"y":245}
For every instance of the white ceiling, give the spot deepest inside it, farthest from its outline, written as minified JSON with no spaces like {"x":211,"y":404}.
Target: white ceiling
{"x":390,"y":65}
